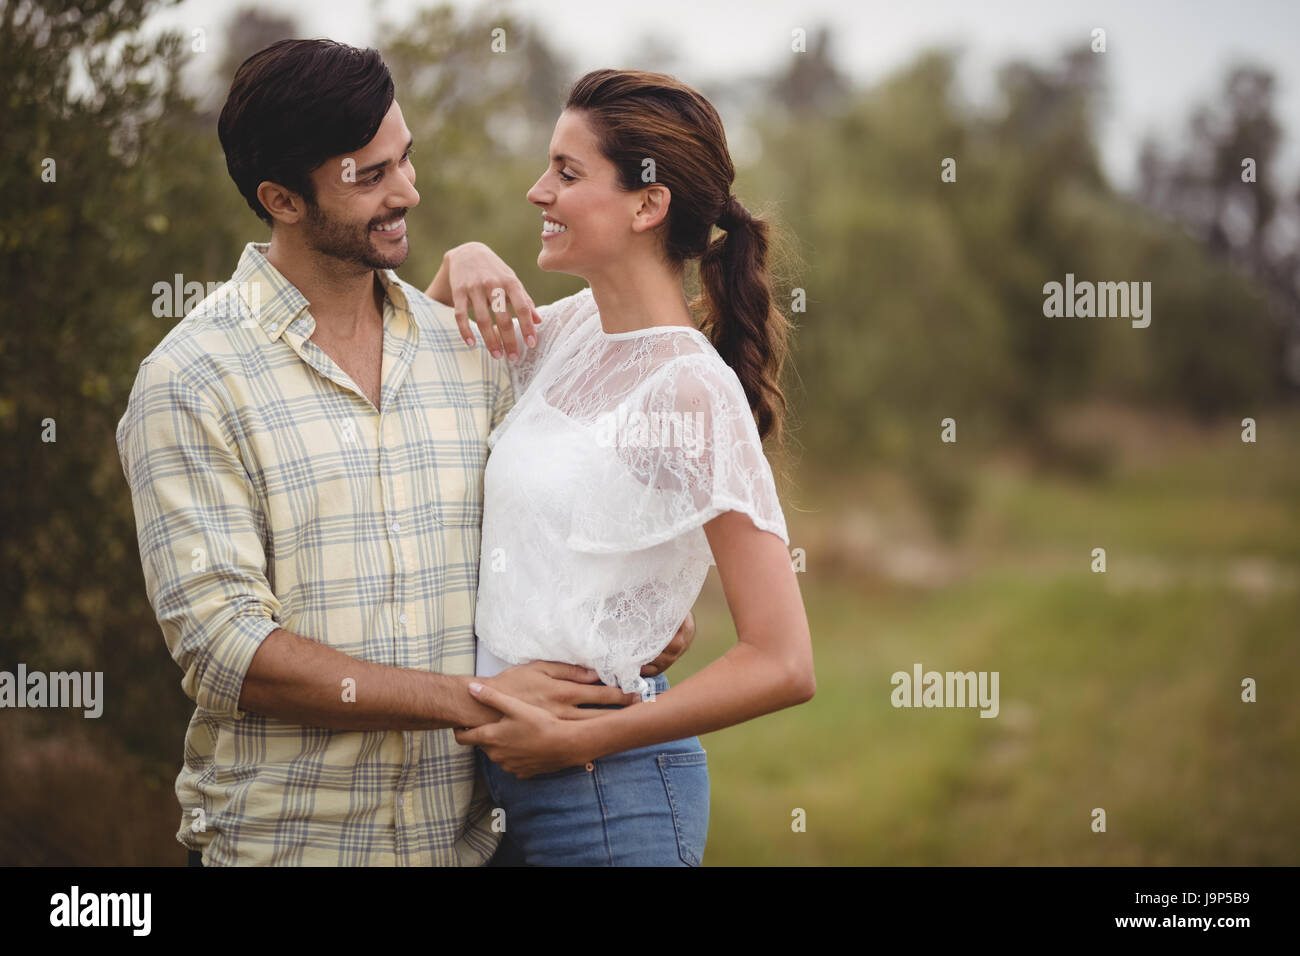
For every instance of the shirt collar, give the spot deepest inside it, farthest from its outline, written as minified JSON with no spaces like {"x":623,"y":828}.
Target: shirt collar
{"x":276,"y":302}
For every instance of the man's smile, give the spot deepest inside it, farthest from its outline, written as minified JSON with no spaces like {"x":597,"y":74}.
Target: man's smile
{"x":392,"y":230}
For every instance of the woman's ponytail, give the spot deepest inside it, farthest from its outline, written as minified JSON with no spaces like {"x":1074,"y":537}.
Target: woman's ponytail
{"x":748,"y":333}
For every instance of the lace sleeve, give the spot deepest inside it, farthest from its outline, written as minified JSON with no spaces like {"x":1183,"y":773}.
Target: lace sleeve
{"x":688,"y":450}
{"x":558,"y":318}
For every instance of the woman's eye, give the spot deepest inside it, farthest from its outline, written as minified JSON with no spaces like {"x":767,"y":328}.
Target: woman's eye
{"x":566,"y":177}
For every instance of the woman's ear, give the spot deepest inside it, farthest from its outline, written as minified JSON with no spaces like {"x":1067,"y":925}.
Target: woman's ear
{"x":653,"y":210}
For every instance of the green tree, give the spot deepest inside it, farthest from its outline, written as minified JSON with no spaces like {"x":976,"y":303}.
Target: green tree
{"x":110,"y":187}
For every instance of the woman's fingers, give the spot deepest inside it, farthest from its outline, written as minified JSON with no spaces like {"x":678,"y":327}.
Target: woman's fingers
{"x":483,"y":316}
{"x":461,"y":303}
{"x":573,"y":672}
{"x":524,"y":308}
{"x":592,"y":694}
{"x":505,"y":324}
{"x":510,"y":706}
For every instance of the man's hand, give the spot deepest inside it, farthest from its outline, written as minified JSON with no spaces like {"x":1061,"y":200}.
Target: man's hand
{"x":472,"y":276}
{"x":675,"y":649}
{"x":558,"y":689}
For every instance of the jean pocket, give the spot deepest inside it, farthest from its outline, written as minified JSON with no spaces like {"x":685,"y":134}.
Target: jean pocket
{"x":686,"y":778}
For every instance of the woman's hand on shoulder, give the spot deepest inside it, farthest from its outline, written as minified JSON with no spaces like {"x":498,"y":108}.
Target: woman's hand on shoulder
{"x":473,"y":277}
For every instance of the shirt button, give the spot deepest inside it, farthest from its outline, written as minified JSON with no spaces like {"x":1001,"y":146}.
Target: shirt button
{"x":396,"y":527}
{"x":402,"y":619}
{"x":401,"y":802}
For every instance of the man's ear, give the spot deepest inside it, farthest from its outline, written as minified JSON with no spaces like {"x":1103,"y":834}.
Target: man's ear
{"x":283,"y":205}
{"x":653,"y":210}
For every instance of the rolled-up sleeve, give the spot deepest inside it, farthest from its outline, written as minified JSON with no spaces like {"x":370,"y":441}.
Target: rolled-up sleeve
{"x":199,"y":530}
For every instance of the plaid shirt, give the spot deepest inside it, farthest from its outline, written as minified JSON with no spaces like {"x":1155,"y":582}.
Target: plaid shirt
{"x":270,"y":493}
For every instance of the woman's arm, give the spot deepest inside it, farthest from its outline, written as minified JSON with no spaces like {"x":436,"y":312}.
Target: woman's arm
{"x":770,"y":668}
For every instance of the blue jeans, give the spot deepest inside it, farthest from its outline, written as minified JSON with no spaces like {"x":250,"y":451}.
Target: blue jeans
{"x":642,"y":807}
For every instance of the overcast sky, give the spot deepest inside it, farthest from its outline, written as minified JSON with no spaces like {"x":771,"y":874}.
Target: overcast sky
{"x":1162,"y":55}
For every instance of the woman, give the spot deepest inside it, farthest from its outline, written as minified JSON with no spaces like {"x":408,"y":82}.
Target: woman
{"x":631,"y":461}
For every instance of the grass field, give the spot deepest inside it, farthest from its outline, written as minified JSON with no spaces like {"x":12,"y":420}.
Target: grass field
{"x":1119,"y":690}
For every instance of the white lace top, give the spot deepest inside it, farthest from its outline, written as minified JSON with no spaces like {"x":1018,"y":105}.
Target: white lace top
{"x":619,"y":448}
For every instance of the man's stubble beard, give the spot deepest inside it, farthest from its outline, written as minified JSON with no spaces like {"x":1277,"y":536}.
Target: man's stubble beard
{"x":349,"y":243}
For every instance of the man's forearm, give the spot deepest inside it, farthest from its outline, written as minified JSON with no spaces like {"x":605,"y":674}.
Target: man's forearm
{"x":296,"y":679}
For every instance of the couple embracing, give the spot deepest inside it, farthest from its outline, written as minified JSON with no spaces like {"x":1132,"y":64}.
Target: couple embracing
{"x":423,"y":584}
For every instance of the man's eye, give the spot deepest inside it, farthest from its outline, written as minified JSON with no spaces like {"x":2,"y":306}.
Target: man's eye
{"x":374,"y":180}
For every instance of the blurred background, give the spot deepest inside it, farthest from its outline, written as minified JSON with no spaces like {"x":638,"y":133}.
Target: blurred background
{"x":923,"y":301}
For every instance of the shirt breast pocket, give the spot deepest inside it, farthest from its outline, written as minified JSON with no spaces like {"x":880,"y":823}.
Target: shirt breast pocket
{"x":457,"y":454}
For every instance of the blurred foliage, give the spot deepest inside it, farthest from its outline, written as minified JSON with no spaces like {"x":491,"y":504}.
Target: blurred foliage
{"x":1253,"y":226}
{"x":135,"y":197}
{"x":924,"y":298}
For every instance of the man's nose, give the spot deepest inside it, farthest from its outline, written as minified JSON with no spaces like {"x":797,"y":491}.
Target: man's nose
{"x":410,"y":196}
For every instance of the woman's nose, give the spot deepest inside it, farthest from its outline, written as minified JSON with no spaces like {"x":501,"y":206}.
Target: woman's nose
{"x":537,"y":195}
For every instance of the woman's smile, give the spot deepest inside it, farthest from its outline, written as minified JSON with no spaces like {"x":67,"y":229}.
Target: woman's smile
{"x":551,"y":228}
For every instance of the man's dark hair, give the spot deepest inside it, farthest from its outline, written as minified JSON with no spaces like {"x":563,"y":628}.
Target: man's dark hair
{"x":294,"y":105}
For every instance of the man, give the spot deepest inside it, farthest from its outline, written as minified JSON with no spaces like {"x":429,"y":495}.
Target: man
{"x":305,"y":454}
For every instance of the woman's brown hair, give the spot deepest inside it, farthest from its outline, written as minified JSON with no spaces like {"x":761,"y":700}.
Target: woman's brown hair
{"x":638,"y":116}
